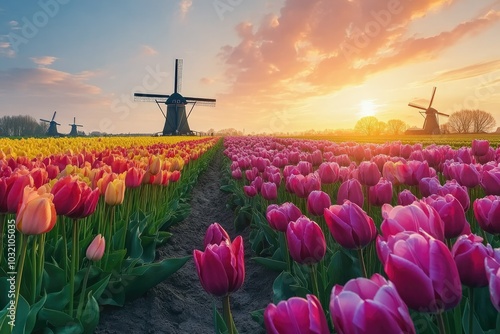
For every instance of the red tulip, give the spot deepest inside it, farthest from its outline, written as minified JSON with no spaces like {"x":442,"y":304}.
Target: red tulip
{"x":269,"y":191}
{"x":87,"y":204}
{"x":487,"y":213}
{"x":215,"y":234}
{"x":67,"y":194}
{"x":36,"y":213}
{"x":469,"y":254}
{"x":95,"y":251}
{"x":278,"y":216}
{"x":16,"y":190}
{"x":380,"y":193}
{"x":174,"y":176}
{"x":492,"y":267}
{"x":306,"y":242}
{"x":296,"y":315}
{"x":369,"y":306}
{"x":221,"y":268}
{"x":52,"y":171}
{"x":317,"y":201}
{"x":133,"y":178}
{"x":349,"y":225}
{"x":350,"y":190}
{"x":40,"y":176}
{"x":451,"y":212}
{"x":413,"y":260}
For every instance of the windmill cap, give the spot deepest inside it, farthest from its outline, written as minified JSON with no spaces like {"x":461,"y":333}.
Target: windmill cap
{"x":176,"y":98}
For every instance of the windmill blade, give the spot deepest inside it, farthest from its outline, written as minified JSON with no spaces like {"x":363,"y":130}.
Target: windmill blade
{"x":201,"y":101}
{"x":143,"y":97}
{"x":442,"y":114}
{"x":416,"y":106}
{"x":79,"y":125}
{"x":178,"y":76}
{"x":54,"y":116}
{"x":56,"y":123}
{"x":432,"y":97}
{"x":44,"y":120}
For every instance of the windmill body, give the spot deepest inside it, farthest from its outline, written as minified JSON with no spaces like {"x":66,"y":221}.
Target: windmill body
{"x":431,"y":122}
{"x":52,"y":130}
{"x":176,"y":116}
{"x":74,"y":128}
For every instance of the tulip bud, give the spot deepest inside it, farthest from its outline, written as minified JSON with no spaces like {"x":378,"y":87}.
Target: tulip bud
{"x":380,"y":193}
{"x":469,"y":254}
{"x":95,"y":251}
{"x":215,"y":234}
{"x":492,"y":266}
{"x":36,"y":214}
{"x":480,"y":147}
{"x":487,"y":213}
{"x":368,"y":173}
{"x":317,"y":201}
{"x":278,"y":216}
{"x":350,"y":190}
{"x":406,"y":197}
{"x":269,"y":191}
{"x":306,"y":242}
{"x":250,"y":191}
{"x":115,"y":192}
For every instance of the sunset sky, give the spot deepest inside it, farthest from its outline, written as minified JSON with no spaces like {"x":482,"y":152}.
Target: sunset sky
{"x":273,"y":66}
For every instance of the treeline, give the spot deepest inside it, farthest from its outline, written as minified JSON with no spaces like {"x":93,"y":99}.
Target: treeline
{"x":21,"y":126}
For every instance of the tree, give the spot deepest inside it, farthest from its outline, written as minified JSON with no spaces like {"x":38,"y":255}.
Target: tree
{"x":369,"y":126}
{"x":461,"y":121}
{"x":21,"y":126}
{"x":482,"y":121}
{"x":466,"y":121}
{"x":396,"y":127}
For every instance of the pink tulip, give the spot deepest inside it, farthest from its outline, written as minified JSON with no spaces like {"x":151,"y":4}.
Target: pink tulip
{"x":469,"y":254}
{"x":380,"y":193}
{"x":306,"y":241}
{"x":460,"y":192}
{"x":349,"y":225}
{"x":305,"y":167}
{"x":317,"y":201}
{"x":95,"y":251}
{"x":490,"y":181}
{"x":406,"y":197}
{"x":368,"y":173}
{"x":296,"y":315}
{"x":480,"y":147}
{"x":251,"y":174}
{"x":215,"y":234}
{"x":221,"y":267}
{"x":413,"y":260}
{"x":429,"y":186}
{"x":487,"y":213}
{"x":412,"y":217}
{"x":492,"y":267}
{"x":369,"y":306}
{"x":350,"y":190}
{"x":329,"y":172}
{"x":250,"y":191}
{"x":302,"y":185}
{"x":451,"y":212}
{"x":269,"y":191}
{"x":36,"y":213}
{"x":278,"y":216}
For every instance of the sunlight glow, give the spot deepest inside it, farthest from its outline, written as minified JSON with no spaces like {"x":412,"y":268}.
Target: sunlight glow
{"x":367,"y":108}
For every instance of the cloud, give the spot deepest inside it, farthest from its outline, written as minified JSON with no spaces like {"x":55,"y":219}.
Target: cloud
{"x":44,"y":61}
{"x":147,"y":50}
{"x":207,"y":81}
{"x":184,"y":7}
{"x":467,"y":71}
{"x":318,"y":47}
{"x":6,"y":50}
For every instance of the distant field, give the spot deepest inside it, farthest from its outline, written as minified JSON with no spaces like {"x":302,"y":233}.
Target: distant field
{"x":454,"y":140}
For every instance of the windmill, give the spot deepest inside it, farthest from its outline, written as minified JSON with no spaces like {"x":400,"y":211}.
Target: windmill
{"x":74,"y":130}
{"x":52,"y":130}
{"x":431,"y":122}
{"x":176,"y":119}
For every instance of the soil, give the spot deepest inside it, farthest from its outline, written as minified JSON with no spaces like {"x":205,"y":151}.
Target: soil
{"x":179,"y":304}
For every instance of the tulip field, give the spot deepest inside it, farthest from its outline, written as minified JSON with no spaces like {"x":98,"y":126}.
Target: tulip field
{"x":363,"y":237}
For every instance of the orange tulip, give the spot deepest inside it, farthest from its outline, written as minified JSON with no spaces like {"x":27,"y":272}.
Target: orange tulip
{"x":115,"y":192}
{"x":155,"y":165}
{"x":37,"y":213}
{"x":95,"y":251}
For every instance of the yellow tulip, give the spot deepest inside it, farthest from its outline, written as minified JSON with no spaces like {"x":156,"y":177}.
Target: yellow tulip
{"x":115,"y":192}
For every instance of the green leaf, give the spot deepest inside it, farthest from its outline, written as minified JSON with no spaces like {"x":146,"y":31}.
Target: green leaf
{"x":55,"y":318}
{"x":219,"y":323}
{"x":476,"y":329}
{"x":53,"y":277}
{"x":286,"y":286}
{"x":58,"y":300}
{"x":90,"y":315}
{"x":270,"y":263}
{"x":342,"y":268}
{"x":258,"y":316}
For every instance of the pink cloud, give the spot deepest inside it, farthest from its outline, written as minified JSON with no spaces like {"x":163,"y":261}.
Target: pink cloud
{"x":44,"y":61}
{"x":468,"y":71}
{"x":147,"y":50}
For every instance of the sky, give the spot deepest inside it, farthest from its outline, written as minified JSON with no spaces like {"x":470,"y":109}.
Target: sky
{"x":273,"y":66}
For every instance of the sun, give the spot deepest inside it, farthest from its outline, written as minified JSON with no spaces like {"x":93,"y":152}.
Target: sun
{"x":367,"y":108}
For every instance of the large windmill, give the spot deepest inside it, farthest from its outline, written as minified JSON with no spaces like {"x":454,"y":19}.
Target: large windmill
{"x":52,"y":130}
{"x":74,"y":130}
{"x":431,"y":122}
{"x":176,"y":119}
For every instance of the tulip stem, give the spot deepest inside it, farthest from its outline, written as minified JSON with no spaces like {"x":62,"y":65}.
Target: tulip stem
{"x":314,"y":280}
{"x":440,"y":321}
{"x":74,"y":256}
{"x":284,"y":249}
{"x":471,"y":309}
{"x":362,"y":262}
{"x":24,"y":247}
{"x":228,"y":317}
{"x":82,"y":295}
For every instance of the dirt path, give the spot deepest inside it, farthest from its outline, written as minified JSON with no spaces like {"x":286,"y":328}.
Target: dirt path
{"x":179,"y":304}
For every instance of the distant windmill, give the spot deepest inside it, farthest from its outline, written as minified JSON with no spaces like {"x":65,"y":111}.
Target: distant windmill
{"x":431,"y":122}
{"x":52,"y":130}
{"x":176,"y":119}
{"x":74,"y":130}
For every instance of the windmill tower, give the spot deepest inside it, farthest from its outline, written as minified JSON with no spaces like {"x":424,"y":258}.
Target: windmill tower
{"x":74,"y":130}
{"x":52,"y":130}
{"x":176,"y":118}
{"x":431,"y":122}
